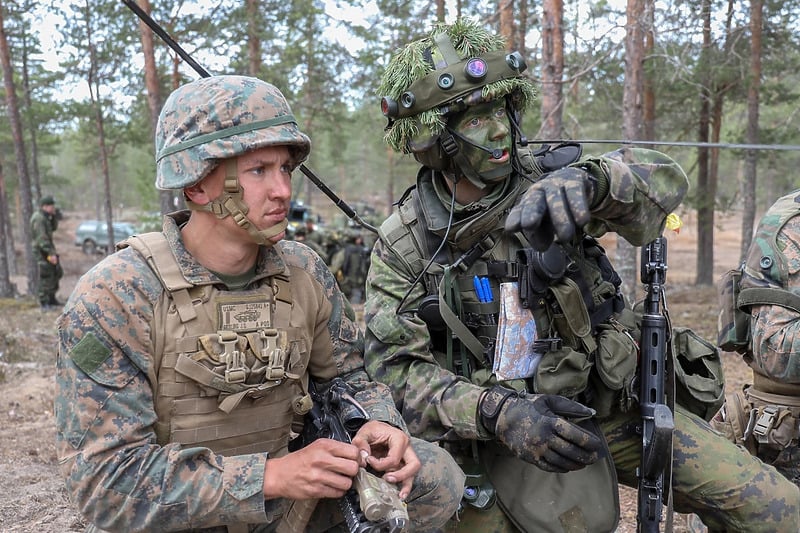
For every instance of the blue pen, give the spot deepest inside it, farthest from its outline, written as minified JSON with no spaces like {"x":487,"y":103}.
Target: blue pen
{"x":487,"y":290}
{"x":478,"y":288}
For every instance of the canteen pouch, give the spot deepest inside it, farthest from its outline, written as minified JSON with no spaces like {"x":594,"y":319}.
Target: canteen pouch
{"x":733,"y":324}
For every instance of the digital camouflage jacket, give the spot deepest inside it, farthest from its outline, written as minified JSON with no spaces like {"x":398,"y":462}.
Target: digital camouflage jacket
{"x":117,"y":474}
{"x":774,"y":261}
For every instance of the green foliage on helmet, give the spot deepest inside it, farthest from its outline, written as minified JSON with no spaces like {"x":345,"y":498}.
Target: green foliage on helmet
{"x":456,"y":65}
{"x":220,"y":117}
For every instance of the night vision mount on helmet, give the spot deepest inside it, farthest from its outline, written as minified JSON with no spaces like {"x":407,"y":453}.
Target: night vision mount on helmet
{"x":456,"y":66}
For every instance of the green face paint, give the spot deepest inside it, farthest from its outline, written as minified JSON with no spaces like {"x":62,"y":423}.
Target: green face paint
{"x":485,"y":125}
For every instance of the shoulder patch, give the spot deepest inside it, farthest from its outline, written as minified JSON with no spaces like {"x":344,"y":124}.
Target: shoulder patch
{"x":89,"y":353}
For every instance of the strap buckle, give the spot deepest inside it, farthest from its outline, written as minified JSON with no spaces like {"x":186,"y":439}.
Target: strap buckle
{"x":235,"y":369}
{"x":764,"y":423}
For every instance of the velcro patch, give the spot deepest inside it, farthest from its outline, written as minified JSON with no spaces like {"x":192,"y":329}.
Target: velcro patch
{"x":89,"y":353}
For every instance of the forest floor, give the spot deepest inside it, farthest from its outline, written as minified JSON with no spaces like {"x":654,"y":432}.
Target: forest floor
{"x":32,"y":495}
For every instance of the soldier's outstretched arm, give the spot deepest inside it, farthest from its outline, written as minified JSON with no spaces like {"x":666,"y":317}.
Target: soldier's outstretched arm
{"x":629,"y":191}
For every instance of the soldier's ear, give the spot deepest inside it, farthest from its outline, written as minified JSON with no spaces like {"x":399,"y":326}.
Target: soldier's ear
{"x":196,"y":193}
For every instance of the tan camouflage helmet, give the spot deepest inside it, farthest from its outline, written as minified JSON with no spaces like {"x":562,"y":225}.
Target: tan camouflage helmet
{"x":455,"y":66}
{"x":220,"y":117}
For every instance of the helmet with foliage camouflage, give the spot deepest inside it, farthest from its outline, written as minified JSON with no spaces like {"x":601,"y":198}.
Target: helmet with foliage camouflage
{"x":457,"y":65}
{"x":220,"y":117}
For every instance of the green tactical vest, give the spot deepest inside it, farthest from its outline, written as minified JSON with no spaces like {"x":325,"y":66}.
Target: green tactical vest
{"x":574,"y":310}
{"x":584,"y":500}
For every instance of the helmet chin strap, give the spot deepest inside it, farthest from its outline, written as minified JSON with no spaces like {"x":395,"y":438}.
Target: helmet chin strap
{"x":230,"y":203}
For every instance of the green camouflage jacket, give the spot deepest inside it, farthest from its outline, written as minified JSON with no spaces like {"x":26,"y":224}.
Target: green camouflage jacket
{"x":42,"y":227}
{"x":774,"y":261}
{"x":645,"y":186}
{"x":116,"y":474}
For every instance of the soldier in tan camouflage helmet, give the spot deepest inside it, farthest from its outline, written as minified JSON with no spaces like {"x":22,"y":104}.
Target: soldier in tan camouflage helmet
{"x":765,"y":416}
{"x":184,"y":358}
{"x":542,"y":415}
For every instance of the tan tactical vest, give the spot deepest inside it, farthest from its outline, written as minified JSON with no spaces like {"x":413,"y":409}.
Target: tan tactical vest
{"x":228,"y":369}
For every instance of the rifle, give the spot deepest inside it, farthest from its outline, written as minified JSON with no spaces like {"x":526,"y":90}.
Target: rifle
{"x":657,"y":420}
{"x":371,"y":505}
{"x":173,"y":44}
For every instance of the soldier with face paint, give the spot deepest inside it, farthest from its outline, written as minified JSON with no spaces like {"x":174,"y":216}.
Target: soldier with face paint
{"x":184,"y":359}
{"x":496,"y":318}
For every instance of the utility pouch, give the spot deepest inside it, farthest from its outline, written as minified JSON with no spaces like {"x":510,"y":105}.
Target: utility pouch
{"x":699,"y":381}
{"x":733,"y":324}
{"x":563,"y":371}
{"x":732,"y":420}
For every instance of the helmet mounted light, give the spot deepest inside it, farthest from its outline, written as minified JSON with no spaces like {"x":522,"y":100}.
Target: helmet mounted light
{"x":455,"y":81}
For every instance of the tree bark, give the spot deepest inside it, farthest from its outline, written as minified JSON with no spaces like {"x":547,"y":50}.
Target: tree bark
{"x":751,"y":156}
{"x":153,"y":88}
{"x":15,"y":124}
{"x":7,"y":289}
{"x":507,"y":25}
{"x":552,"y":97}
{"x":705,"y":200}
{"x":253,"y":39}
{"x":632,"y":118}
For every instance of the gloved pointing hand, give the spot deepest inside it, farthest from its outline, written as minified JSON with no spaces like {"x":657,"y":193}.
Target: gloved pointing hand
{"x":536,"y":428}
{"x":555,"y":205}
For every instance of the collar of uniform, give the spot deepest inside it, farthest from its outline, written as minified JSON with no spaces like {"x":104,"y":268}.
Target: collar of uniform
{"x":482,"y":204}
{"x":270,"y":258}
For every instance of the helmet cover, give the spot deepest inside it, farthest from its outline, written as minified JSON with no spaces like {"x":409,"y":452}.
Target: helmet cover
{"x":220,"y":117}
{"x":417,"y":69}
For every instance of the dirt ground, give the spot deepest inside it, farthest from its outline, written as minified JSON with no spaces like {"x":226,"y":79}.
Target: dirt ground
{"x":32,"y":497}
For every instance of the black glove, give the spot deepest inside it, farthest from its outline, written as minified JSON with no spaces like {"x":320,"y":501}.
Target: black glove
{"x":536,"y":429}
{"x":556,"y":205}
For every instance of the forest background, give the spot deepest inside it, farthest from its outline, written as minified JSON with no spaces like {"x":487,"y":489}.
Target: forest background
{"x":81,"y":98}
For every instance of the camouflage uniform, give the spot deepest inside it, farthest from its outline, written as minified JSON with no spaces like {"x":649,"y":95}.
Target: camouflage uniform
{"x":43,"y":224}
{"x":160,"y":429}
{"x":441,"y":396}
{"x":764,"y":416}
{"x":350,"y":265}
{"x":438,"y":405}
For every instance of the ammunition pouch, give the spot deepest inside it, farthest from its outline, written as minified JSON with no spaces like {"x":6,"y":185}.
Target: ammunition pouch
{"x":764,"y":423}
{"x":733,"y":324}
{"x":699,"y":381}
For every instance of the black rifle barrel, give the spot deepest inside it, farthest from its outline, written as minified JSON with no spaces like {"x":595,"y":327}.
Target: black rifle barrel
{"x":657,"y":420}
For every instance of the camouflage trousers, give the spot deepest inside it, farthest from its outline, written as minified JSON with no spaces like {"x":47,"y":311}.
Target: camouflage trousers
{"x":729,"y":489}
{"x":786,"y":461}
{"x":434,"y":499}
{"x":49,"y":276}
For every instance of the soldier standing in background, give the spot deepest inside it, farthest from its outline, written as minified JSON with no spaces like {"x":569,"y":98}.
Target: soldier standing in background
{"x":542,"y":414}
{"x":43,"y":223}
{"x":184,"y":359}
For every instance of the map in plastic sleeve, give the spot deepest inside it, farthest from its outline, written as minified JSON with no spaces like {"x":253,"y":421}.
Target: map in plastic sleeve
{"x":515,"y":356}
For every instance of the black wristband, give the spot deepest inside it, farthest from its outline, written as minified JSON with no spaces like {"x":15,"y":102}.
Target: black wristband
{"x":490,"y":405}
